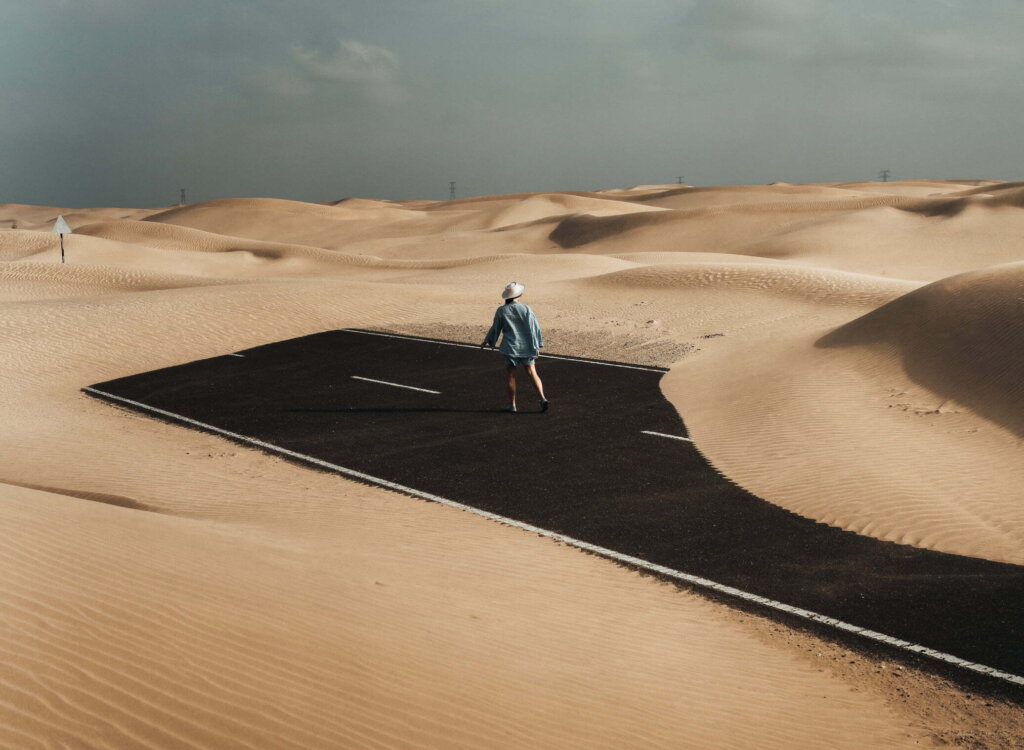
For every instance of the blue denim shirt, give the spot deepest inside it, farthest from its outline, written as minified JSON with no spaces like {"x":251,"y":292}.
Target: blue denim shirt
{"x":521,"y":333}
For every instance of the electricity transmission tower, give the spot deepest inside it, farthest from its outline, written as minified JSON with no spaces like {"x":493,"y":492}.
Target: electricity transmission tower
{"x":451,"y":190}
{"x":679,"y":179}
{"x":884,"y":175}
{"x":182,"y":202}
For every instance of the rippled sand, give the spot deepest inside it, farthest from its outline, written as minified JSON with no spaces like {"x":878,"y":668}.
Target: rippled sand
{"x":847,"y":351}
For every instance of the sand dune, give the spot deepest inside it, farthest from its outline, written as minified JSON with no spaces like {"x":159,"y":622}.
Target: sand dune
{"x":163,"y":588}
{"x":549,"y":206}
{"x":657,"y":259}
{"x":733,"y":195}
{"x":117,"y":614}
{"x":904,"y":243}
{"x":17,"y":244}
{"x":892,"y":236}
{"x":240,"y":210}
{"x":990,"y":188}
{"x":480,"y":202}
{"x":355,"y":229}
{"x":290,"y":222}
{"x":38,"y":280}
{"x":912,"y":408}
{"x":248,"y":258}
{"x":174,"y":246}
{"x":528,"y":269}
{"x":257,"y":604}
{"x":916,"y":188}
{"x":959,"y":337}
{"x":808,"y":285}
{"x":729,"y":228}
{"x":41,"y":218}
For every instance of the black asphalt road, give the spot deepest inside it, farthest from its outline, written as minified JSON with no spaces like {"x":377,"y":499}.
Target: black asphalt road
{"x":585,"y":469}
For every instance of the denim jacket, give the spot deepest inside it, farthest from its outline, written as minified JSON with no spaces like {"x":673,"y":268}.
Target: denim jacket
{"x":522,"y":337}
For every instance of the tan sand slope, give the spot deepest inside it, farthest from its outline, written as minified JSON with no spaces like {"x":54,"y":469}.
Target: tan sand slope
{"x":960,"y":337}
{"x":41,"y":218}
{"x":256,"y":604}
{"x":902,"y":243}
{"x":682,"y":301}
{"x":38,"y":280}
{"x":806,"y":285}
{"x":913,"y":408}
{"x":726,"y":226}
{"x":548,"y":206}
{"x":173,"y":590}
{"x":118,"y":614}
{"x":823,"y":225}
{"x":882,"y":235}
{"x":915,"y":188}
{"x":689,"y":198}
{"x":290,"y":222}
{"x":350,"y":228}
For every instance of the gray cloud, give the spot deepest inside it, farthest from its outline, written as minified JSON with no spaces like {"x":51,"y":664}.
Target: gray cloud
{"x":352,"y":61}
{"x":374,"y":69}
{"x":125,"y":101}
{"x":870,"y":33}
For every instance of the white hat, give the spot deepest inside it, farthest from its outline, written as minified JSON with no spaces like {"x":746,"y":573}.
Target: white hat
{"x":512,"y":290}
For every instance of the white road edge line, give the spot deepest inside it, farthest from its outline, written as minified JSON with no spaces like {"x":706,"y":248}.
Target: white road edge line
{"x":473,"y":346}
{"x":662,"y":434}
{"x":396,"y":385}
{"x":603,"y":551}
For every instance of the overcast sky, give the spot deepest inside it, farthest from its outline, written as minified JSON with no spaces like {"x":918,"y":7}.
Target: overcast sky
{"x":123,"y":102}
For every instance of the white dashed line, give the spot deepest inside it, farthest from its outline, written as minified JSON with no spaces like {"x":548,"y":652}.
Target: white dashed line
{"x":236,"y":355}
{"x":603,"y":551}
{"x":662,"y":434}
{"x":396,"y":385}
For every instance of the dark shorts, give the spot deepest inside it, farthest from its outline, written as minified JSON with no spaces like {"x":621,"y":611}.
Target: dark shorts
{"x":519,"y":361}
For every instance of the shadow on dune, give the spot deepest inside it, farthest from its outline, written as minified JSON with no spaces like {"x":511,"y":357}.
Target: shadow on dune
{"x":1010,"y":195}
{"x":939,"y":208}
{"x":97,"y":497}
{"x":992,"y":188}
{"x":961,"y":337}
{"x":582,"y":229}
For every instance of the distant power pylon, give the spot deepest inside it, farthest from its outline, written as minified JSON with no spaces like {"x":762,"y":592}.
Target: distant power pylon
{"x":884,"y":175}
{"x":182,"y":202}
{"x":451,"y":190}
{"x":679,"y":179}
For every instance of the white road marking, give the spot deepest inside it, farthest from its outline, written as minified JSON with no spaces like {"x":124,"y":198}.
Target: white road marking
{"x":396,"y":385}
{"x":476,"y":346}
{"x":603,"y":551}
{"x":236,"y":355}
{"x":662,"y":434}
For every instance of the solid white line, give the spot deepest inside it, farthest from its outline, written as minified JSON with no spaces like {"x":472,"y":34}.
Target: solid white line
{"x":236,"y":355}
{"x":603,"y":551}
{"x":396,"y":385}
{"x":476,"y":346}
{"x":662,"y":434}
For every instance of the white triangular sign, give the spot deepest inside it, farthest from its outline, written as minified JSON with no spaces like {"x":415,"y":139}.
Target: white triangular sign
{"x":60,"y":226}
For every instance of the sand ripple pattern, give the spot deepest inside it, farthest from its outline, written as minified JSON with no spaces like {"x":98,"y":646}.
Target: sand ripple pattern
{"x":161,"y":588}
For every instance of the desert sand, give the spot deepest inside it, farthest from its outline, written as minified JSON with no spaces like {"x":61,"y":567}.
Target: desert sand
{"x":161,"y":588}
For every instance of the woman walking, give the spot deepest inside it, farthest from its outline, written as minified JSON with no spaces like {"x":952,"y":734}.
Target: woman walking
{"x":521,"y":341}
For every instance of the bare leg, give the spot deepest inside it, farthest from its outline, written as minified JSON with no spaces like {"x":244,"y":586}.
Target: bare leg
{"x":511,"y":370}
{"x":536,"y":381}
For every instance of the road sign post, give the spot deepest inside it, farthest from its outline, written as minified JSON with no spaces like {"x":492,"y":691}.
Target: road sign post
{"x":61,"y":227}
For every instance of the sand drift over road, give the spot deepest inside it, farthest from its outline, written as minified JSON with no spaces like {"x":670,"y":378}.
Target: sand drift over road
{"x":595,"y":479}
